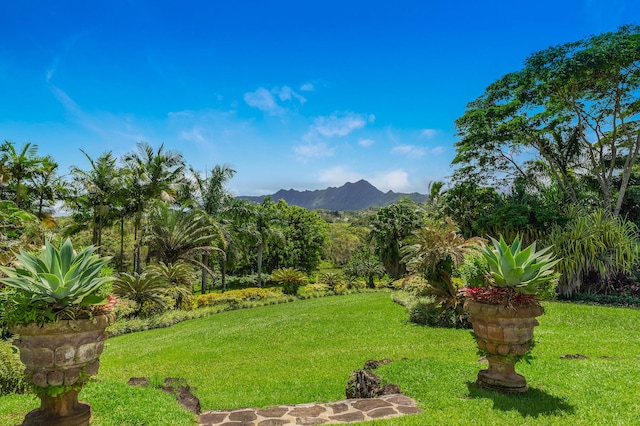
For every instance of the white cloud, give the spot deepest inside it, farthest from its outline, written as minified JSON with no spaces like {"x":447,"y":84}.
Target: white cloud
{"x":366,"y":143}
{"x":428,"y":133}
{"x":267,"y":100}
{"x":338,"y":176}
{"x":409,"y":150}
{"x":394,"y":180}
{"x":263,"y":100}
{"x":312,"y":150}
{"x":287,"y":93}
{"x":193,"y":135}
{"x":371,"y":118}
{"x":338,"y":124}
{"x":437,"y":150}
{"x":307,"y":87}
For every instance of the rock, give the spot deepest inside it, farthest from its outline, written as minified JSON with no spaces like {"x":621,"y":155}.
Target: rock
{"x":182,"y":391}
{"x":373,"y":364}
{"x":138,"y":381}
{"x":365,"y":384}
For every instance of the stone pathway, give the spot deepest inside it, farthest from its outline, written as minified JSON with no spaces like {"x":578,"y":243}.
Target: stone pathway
{"x":347,"y":411}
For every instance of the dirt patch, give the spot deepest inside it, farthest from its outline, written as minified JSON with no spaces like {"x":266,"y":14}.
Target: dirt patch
{"x":175,"y":386}
{"x":576,"y":356}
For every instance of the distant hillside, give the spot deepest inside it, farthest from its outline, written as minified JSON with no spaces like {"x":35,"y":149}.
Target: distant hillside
{"x":350,"y":196}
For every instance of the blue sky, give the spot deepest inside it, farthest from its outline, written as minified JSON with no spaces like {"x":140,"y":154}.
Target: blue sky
{"x":292,"y":94}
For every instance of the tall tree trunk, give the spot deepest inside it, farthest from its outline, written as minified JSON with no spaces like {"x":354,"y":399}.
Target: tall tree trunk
{"x":223,"y":270}
{"x":121,"y":243}
{"x":136,"y":245}
{"x":626,"y":174}
{"x":100,"y":219}
{"x":260,"y":250}
{"x":205,"y":261}
{"x":18,"y":181}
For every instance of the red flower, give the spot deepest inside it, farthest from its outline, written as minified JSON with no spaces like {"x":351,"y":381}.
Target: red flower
{"x":500,"y":296}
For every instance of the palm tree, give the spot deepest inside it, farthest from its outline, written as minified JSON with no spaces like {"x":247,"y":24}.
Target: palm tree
{"x":212,"y":197}
{"x":156,"y":175}
{"x":99,"y":185}
{"x":179,"y":235}
{"x":262,"y":229}
{"x":47,"y":185}
{"x":19,"y":166}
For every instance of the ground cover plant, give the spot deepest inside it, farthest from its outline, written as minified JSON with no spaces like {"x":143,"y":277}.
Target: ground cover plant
{"x":586,"y":369}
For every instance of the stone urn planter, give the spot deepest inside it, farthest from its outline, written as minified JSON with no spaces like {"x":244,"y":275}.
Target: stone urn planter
{"x":505,"y":334}
{"x":59,"y":358}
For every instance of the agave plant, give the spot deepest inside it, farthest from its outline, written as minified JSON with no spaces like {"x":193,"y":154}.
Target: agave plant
{"x":523,"y":270}
{"x":59,"y":277}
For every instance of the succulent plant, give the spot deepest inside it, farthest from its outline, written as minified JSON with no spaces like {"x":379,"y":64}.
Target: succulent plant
{"x":524,"y":270}
{"x":59,"y":277}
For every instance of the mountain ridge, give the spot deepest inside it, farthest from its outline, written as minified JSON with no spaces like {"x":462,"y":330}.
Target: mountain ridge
{"x":359,"y":195}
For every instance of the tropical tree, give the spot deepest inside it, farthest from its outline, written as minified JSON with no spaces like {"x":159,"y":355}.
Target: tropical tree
{"x":19,"y":229}
{"x":261,"y":229}
{"x":304,"y":235}
{"x":389,"y":227}
{"x":574,"y":105}
{"x":466,"y":203}
{"x":212,"y":196}
{"x":181,"y":235}
{"x":155,"y":176}
{"x":98,"y":187}
{"x":47,"y":186}
{"x":342,"y":241}
{"x":364,"y":263}
{"x":18,"y":166}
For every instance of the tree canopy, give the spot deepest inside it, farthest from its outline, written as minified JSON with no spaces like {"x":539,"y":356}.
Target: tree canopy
{"x":571,"y":113}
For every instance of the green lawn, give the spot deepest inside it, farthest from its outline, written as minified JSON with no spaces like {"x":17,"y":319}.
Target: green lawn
{"x":304,"y":351}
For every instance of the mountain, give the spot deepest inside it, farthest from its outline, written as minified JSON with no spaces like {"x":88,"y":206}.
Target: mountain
{"x":350,"y":196}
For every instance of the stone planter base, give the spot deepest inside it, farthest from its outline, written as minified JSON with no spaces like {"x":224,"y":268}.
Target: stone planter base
{"x":501,"y":377}
{"x":64,"y":353}
{"x":504,"y":334}
{"x":64,"y":410}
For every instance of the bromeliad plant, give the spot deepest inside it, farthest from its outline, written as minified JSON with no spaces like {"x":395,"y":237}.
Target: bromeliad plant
{"x":515,"y":276}
{"x":57,"y":283}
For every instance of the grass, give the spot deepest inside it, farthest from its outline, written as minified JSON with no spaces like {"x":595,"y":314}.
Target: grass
{"x":304,"y":351}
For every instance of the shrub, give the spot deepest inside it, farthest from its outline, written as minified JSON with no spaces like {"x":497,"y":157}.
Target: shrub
{"x":243,"y":281}
{"x":236,"y":297}
{"x":331,"y":279}
{"x":416,"y":285}
{"x":125,"y":308}
{"x":424,"y":311}
{"x":179,"y":278}
{"x":598,"y":242}
{"x":11,"y":369}
{"x":290,"y":279}
{"x":148,"y":291}
{"x":472,"y":270}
